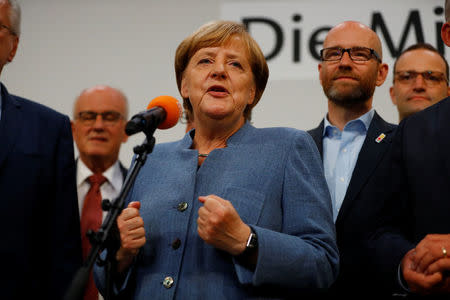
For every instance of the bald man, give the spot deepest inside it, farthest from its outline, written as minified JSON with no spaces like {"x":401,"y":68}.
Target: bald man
{"x":352,"y":140}
{"x":98,"y":128}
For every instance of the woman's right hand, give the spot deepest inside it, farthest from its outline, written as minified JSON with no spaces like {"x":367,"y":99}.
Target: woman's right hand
{"x":132,"y":235}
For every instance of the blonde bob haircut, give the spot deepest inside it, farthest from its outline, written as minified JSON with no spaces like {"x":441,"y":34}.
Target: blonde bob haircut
{"x":216,"y":34}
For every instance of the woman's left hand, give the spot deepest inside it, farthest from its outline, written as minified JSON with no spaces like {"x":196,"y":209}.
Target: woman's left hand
{"x":219,"y":225}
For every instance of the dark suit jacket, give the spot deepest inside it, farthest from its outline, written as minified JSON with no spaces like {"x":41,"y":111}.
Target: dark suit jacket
{"x":356,"y":217}
{"x":417,"y":201}
{"x":40,"y":241}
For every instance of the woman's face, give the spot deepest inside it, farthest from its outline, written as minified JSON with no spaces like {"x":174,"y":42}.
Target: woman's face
{"x":219,"y":82}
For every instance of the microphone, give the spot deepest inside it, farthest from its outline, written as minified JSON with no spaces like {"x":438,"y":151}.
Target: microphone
{"x":162,"y":112}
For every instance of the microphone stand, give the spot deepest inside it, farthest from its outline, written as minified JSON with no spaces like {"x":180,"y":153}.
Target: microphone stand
{"x":107,"y":237}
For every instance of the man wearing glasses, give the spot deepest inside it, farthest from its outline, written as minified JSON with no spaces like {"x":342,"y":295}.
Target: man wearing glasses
{"x":40,"y":242}
{"x":98,"y":127}
{"x":352,"y":140}
{"x":420,"y":79}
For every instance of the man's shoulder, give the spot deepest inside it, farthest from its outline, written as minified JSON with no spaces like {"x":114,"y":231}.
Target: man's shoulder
{"x":316,"y":130}
{"x":30,"y":106}
{"x":317,"y":134}
{"x":431,"y":117}
{"x":379,"y":123}
{"x":442,"y":108}
{"x":34,"y":118}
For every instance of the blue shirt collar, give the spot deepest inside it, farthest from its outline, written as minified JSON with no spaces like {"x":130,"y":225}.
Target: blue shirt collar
{"x":365,"y":120}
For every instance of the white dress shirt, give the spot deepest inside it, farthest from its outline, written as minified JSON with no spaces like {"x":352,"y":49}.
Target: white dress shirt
{"x":110,"y":189}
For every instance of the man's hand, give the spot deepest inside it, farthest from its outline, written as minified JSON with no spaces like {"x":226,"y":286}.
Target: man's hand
{"x":426,"y":268}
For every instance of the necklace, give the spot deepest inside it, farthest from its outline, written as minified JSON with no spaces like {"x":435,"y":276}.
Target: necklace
{"x":202,"y":155}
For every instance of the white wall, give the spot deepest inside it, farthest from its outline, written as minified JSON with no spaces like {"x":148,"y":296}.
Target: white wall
{"x":69,"y":45}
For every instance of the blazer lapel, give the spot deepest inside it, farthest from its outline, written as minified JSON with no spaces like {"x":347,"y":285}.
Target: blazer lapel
{"x":317,"y":135}
{"x":10,"y":124}
{"x":123,"y":170}
{"x":370,"y":155}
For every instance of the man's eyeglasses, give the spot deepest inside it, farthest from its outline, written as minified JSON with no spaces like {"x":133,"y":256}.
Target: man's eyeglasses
{"x":109,"y":118}
{"x":355,"y":53}
{"x":429,"y":77}
{"x":8,"y":28}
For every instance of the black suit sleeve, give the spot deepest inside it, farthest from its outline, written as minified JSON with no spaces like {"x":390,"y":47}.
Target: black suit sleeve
{"x":390,"y":241}
{"x":65,"y":226}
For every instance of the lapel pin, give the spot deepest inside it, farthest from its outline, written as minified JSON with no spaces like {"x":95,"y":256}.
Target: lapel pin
{"x":380,"y":138}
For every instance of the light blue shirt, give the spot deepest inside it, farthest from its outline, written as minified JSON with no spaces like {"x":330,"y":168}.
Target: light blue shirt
{"x":340,"y":152}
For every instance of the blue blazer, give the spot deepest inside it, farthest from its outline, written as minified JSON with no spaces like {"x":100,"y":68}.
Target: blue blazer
{"x":357,"y":216}
{"x":417,"y":188}
{"x":274,"y":179}
{"x":40,"y":242}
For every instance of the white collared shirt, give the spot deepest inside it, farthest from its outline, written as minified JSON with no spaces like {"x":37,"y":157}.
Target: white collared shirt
{"x":110,"y":189}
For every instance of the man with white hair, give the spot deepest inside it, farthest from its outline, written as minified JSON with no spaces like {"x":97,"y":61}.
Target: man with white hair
{"x":41,"y":245}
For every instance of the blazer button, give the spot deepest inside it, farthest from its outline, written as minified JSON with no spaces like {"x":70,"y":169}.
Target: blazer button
{"x":168,"y":282}
{"x":182,"y":206}
{"x":176,"y":244}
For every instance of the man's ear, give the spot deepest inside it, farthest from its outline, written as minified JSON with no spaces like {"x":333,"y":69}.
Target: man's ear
{"x":445,"y":33}
{"x":383,"y":70}
{"x":393,"y":98}
{"x":319,"y":67}
{"x":13,"y":51}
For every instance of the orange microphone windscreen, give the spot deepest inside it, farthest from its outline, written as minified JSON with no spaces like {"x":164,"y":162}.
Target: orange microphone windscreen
{"x":172,"y":108}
